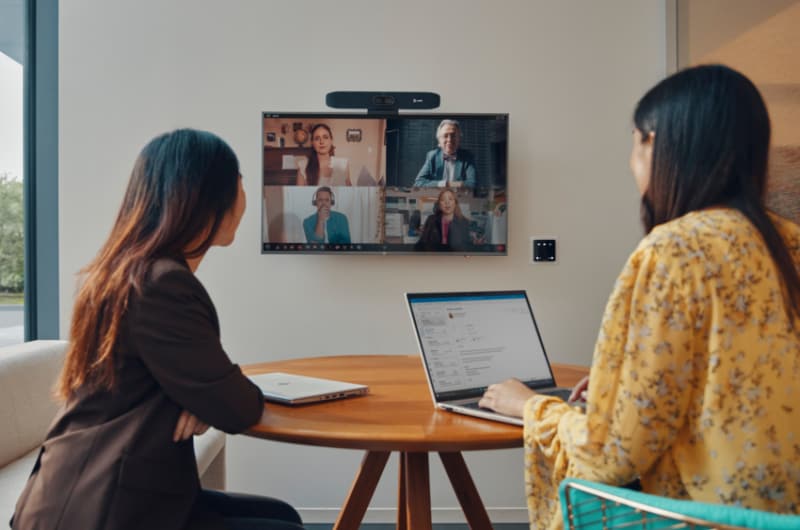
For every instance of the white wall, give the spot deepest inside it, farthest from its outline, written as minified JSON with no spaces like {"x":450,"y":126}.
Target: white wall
{"x":568,"y":72}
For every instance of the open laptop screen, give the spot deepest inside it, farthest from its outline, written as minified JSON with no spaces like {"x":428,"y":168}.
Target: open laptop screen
{"x":471,"y":340}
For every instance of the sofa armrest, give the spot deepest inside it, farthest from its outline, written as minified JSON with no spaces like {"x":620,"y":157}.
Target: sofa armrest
{"x":28,"y":373}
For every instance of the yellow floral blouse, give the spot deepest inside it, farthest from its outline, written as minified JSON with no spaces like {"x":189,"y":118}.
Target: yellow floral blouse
{"x":695,"y":382}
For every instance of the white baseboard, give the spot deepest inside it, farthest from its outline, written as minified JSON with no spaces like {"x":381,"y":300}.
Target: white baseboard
{"x":439,"y":515}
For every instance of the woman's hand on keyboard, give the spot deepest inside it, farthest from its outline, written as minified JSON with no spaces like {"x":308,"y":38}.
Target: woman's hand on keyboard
{"x":508,"y":397}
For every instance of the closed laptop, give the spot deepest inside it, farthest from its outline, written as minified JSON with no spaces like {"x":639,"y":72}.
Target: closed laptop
{"x":294,"y":389}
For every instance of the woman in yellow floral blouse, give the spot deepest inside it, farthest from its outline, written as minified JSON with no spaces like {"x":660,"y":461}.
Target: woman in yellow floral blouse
{"x":695,"y":383}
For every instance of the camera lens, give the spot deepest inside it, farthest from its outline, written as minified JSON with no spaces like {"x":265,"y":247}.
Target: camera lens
{"x":383,"y":100}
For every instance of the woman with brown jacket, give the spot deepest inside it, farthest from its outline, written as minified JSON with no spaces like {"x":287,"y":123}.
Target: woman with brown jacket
{"x":145,"y":369}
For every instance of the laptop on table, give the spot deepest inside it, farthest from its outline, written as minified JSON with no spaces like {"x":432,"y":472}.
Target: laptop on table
{"x":470,"y":340}
{"x":294,"y":389}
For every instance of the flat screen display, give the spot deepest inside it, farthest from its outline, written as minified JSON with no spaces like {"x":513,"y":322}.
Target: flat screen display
{"x":407,"y":183}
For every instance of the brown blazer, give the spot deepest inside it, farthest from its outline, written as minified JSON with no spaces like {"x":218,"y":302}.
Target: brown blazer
{"x":109,"y":461}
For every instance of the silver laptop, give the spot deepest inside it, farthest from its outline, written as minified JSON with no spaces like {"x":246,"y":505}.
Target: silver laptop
{"x":471,"y":340}
{"x":293,"y":389}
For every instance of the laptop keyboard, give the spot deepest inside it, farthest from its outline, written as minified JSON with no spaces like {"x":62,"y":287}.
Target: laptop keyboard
{"x":562,"y":393}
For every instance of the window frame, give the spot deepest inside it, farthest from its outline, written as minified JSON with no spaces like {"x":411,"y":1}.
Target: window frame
{"x":40,"y":169}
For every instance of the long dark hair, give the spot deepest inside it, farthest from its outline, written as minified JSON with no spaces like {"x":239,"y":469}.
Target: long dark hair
{"x":312,"y":169}
{"x":711,"y":135}
{"x":182,"y":185}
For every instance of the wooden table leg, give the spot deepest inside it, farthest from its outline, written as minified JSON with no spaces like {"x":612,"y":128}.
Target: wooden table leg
{"x":402,"y":506}
{"x":465,"y":490}
{"x":361,"y":491}
{"x":418,"y":491}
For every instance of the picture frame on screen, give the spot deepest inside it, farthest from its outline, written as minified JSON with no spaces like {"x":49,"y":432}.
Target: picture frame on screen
{"x":402,"y":184}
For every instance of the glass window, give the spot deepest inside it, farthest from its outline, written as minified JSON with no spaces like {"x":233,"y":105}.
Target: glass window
{"x":12,"y":262}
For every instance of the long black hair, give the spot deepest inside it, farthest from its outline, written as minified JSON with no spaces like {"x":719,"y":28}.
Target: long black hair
{"x":711,"y":135}
{"x":182,"y":185}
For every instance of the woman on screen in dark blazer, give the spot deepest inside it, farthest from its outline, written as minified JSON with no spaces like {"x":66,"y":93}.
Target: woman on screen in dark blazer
{"x":145,"y":370}
{"x":447,"y":228}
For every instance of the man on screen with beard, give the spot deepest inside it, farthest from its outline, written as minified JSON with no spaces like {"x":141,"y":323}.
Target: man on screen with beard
{"x":326,"y":226}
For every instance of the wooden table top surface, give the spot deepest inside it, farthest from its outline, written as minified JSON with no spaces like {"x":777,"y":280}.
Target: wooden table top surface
{"x":397,"y":414}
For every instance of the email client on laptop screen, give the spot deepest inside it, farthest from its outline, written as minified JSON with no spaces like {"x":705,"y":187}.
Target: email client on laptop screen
{"x":469,"y":341}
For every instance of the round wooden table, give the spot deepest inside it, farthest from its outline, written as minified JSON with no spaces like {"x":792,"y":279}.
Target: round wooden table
{"x":397,"y":415}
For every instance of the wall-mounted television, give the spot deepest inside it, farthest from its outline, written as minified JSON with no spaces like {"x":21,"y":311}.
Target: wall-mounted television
{"x":405,"y":183}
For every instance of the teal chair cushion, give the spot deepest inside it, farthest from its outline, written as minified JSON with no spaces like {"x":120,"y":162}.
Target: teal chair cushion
{"x":589,"y":505}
